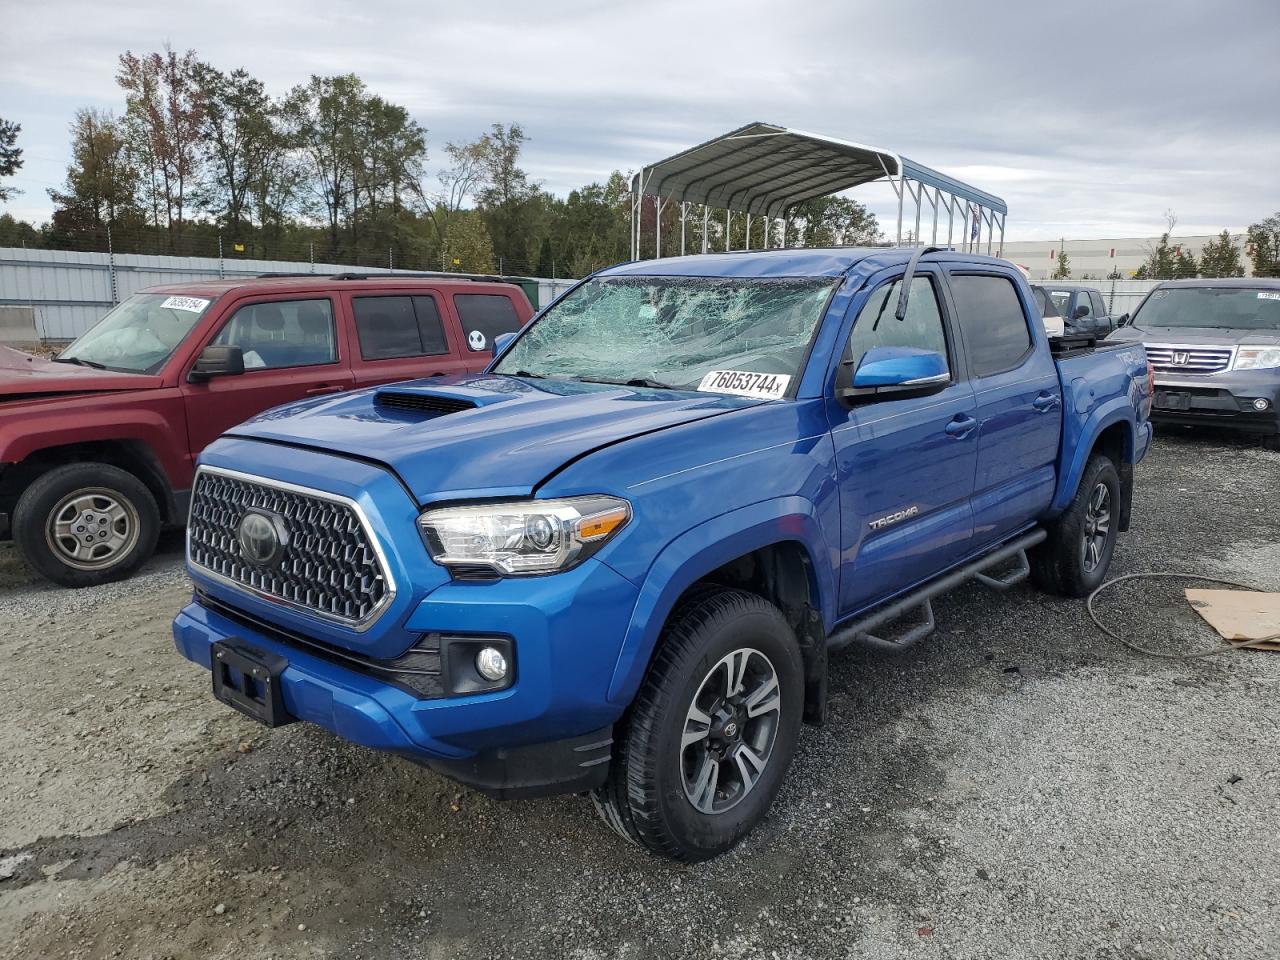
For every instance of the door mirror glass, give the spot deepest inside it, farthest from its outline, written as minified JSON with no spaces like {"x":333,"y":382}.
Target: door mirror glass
{"x":217,"y":360}
{"x":1123,"y":321}
{"x":898,"y":372}
{"x":500,"y":342}
{"x":1081,"y":312}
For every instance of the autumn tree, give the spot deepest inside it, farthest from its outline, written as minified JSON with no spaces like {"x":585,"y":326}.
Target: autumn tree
{"x":164,"y":117}
{"x":507,"y":198}
{"x":1221,"y":258}
{"x":10,"y":155}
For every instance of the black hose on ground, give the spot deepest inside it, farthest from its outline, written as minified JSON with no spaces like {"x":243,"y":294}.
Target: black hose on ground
{"x":1231,"y":644}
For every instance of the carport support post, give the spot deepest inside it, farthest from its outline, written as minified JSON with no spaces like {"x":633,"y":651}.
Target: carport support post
{"x":747,"y":246}
{"x":727,"y":214}
{"x":951,"y":217}
{"x":934,"y":201}
{"x":902,"y":189}
{"x":706,"y":217}
{"x":1000,"y":252}
{"x":684,"y":212}
{"x":657,"y":228}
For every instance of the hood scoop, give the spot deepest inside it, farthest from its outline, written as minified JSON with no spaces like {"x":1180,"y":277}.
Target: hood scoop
{"x":420,"y":401}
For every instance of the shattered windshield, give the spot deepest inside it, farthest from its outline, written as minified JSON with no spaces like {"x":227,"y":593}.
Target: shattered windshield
{"x":673,"y":331}
{"x":1230,"y":308}
{"x":139,"y":335}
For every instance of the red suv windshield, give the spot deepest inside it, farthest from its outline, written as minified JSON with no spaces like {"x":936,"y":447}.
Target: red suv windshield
{"x":139,"y":335}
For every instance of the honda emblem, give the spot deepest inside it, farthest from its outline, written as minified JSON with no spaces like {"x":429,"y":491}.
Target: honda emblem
{"x":1181,"y":359}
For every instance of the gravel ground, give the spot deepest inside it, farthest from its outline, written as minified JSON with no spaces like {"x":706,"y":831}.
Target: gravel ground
{"x":1018,"y":786}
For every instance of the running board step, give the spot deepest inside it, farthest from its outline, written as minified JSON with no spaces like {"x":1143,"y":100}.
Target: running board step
{"x":861,"y":630}
{"x":1010,"y":578}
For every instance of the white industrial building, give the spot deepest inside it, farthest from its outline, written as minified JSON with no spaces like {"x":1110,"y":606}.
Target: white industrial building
{"x":1096,"y":259}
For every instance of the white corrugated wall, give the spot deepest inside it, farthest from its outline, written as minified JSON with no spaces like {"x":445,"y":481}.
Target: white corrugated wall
{"x":70,"y":290}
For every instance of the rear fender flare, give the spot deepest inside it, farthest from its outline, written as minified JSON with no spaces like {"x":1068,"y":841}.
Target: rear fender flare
{"x":1116,"y":410}
{"x":704,"y":548}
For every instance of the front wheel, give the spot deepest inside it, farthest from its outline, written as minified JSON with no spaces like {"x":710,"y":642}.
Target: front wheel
{"x":83,"y":524}
{"x":1073,"y":560}
{"x":712,"y":731}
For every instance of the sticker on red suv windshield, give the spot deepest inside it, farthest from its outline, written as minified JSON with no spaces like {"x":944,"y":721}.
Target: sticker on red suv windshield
{"x":190,"y":304}
{"x":1268,"y":295}
{"x":762,"y":386}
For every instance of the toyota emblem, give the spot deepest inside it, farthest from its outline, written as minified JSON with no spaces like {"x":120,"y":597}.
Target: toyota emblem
{"x":262,"y":538}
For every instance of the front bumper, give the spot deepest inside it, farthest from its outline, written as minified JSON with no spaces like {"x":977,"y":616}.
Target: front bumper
{"x":1223,"y":399}
{"x":549,"y":732}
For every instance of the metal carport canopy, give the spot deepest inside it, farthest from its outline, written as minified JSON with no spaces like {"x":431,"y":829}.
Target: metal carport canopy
{"x":766,"y":169}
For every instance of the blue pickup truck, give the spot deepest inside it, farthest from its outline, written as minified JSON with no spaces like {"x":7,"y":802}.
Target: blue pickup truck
{"x":615,"y":562}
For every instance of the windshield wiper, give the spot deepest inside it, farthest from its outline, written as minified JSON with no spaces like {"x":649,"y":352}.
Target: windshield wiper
{"x":80,"y":361}
{"x":633,"y":382}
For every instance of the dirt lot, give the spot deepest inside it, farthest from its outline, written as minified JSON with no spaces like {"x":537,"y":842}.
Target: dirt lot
{"x":1018,"y":786}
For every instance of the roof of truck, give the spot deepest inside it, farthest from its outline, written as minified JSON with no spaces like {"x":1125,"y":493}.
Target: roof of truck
{"x":794,"y":262}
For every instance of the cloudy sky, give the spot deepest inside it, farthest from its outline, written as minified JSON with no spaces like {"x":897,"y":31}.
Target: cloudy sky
{"x":1089,"y":118}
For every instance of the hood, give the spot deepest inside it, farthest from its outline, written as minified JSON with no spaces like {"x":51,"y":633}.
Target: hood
{"x":23,"y":375}
{"x":482,"y":435}
{"x":1210,"y":336}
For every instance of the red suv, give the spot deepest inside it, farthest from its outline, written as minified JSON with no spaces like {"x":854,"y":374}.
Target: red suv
{"x":97,"y":446}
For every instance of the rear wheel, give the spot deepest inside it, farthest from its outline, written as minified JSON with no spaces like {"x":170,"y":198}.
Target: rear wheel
{"x":712,"y":731}
{"x":1073,"y":561}
{"x":82,"y":524}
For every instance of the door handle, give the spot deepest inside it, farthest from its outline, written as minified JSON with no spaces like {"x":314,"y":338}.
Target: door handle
{"x":961,"y":426}
{"x":1045,"y":402}
{"x":325,"y":388}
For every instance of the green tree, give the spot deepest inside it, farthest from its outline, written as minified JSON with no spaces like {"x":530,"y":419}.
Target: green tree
{"x":1164,"y":262}
{"x":164,"y":116}
{"x":507,"y":198}
{"x":10,"y":155}
{"x":1221,"y":258}
{"x":1063,"y":270}
{"x":240,"y":140}
{"x":1264,"y":246}
{"x":102,"y":183}
{"x":469,"y":248}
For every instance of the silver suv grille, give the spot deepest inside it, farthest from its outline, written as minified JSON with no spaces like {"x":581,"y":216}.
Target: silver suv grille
{"x":1172,"y":358}
{"x":327,"y":562}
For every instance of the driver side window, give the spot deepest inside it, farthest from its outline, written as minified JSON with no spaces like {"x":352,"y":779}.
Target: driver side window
{"x":878,"y":326}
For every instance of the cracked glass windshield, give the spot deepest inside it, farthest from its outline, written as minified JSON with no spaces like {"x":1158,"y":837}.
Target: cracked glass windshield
{"x":672,"y":331}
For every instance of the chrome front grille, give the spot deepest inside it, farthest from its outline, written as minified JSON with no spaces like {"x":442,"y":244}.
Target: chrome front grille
{"x":1175,"y":358}
{"x":328,"y":563}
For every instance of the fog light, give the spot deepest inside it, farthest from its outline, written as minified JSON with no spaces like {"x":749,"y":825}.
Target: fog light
{"x":1261,"y":403}
{"x":491,"y":664}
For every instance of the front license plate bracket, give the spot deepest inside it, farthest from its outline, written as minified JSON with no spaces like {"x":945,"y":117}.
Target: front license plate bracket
{"x":248,"y":679}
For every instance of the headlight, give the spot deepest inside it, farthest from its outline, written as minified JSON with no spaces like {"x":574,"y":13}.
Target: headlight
{"x":1256,"y":358}
{"x":524,"y":537}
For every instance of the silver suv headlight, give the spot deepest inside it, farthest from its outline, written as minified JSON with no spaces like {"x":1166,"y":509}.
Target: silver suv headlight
{"x":1257,"y":358}
{"x":523,"y":537}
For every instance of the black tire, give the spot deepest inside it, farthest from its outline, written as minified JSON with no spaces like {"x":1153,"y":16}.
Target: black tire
{"x":123,"y":520}
{"x":646,"y":798}
{"x":1063,"y":563}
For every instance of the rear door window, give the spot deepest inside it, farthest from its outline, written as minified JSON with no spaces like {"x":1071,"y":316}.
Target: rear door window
{"x":390,"y":327}
{"x":996,"y":334}
{"x":484,"y":316}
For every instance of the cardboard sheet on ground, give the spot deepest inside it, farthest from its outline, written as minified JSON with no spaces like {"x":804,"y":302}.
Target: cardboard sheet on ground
{"x":1239,"y":614}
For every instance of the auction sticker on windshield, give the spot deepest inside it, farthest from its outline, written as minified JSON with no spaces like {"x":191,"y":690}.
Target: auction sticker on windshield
{"x":1268,"y":295}
{"x":762,"y":386}
{"x":190,"y":304}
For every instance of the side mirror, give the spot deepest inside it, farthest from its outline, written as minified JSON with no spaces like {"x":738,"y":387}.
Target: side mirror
{"x":896,"y":373}
{"x":1123,"y":321}
{"x":217,"y":360}
{"x":1081,"y":313}
{"x":500,"y":342}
